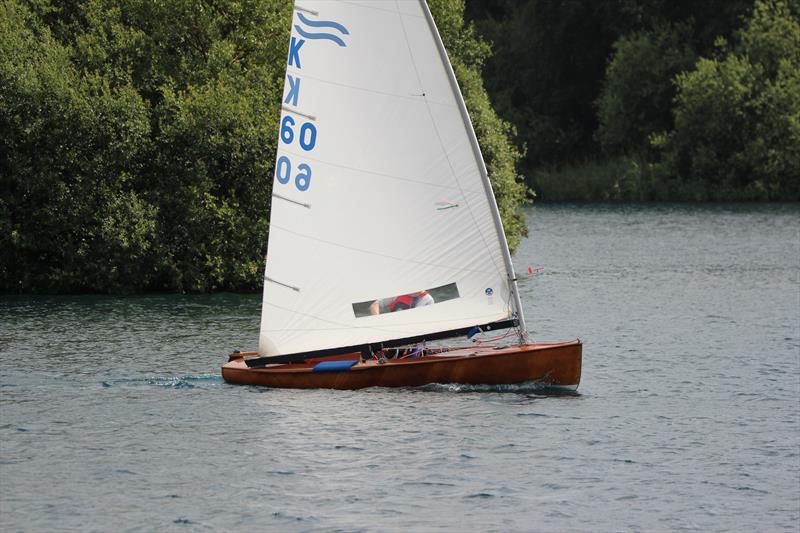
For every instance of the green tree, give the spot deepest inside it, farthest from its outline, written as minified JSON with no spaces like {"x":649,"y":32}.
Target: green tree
{"x":139,"y":140}
{"x":548,"y":70}
{"x":737,"y":119}
{"x":637,"y":95}
{"x":70,"y":152}
{"x":212,"y":73}
{"x":545,"y":73}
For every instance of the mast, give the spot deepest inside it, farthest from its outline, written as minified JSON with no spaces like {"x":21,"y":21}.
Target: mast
{"x":476,"y":150}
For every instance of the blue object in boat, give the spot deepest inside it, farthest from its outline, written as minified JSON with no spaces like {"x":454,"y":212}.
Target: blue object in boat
{"x":334,"y":366}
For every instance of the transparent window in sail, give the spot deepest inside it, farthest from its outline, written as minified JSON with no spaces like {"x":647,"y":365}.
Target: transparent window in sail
{"x":404,"y":302}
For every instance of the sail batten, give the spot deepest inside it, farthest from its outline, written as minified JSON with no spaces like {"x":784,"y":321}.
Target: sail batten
{"x":373,"y":136}
{"x":377,"y":174}
{"x":299,"y":8}
{"x":412,"y":96}
{"x":449,"y":268}
{"x":297,"y":112}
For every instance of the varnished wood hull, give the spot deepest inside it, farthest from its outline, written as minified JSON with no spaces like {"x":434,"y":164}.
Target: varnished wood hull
{"x":553,"y":364}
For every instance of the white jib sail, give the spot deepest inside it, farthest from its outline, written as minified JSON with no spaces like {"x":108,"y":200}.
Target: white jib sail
{"x":378,"y":191}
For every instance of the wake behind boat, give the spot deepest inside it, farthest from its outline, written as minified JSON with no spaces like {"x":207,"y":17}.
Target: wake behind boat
{"x":384,"y":230}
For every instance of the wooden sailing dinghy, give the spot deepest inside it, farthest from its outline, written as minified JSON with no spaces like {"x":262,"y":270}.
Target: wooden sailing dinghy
{"x":384,"y":231}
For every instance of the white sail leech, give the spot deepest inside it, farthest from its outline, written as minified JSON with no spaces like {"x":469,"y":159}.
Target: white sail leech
{"x":512,"y":278}
{"x":432,"y":118}
{"x":354,"y":67}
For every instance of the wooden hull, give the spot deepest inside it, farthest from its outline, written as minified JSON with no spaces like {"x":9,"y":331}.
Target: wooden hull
{"x":557,"y":365}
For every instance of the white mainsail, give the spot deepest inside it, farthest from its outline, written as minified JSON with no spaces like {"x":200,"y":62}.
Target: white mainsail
{"x":379,"y":186}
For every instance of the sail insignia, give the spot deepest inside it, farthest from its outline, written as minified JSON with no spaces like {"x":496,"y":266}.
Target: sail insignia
{"x":311,"y":25}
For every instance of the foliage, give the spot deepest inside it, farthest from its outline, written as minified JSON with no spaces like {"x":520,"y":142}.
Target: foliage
{"x":636,"y":99}
{"x":139,"y":135}
{"x":737,"y":118}
{"x":134,"y":157}
{"x":548,"y":63}
{"x":584,"y":80}
{"x":694,"y":100}
{"x":72,"y":148}
{"x":589,"y":181}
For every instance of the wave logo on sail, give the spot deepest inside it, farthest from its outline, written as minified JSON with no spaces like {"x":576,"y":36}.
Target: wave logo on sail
{"x":315,"y":29}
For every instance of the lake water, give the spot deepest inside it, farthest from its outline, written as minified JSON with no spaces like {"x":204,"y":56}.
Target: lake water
{"x":113,"y":416}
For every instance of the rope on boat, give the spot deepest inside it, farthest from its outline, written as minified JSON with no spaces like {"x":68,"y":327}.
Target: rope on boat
{"x":494,"y":339}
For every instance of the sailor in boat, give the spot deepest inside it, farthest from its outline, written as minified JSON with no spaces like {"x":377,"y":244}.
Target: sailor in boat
{"x":400,"y":303}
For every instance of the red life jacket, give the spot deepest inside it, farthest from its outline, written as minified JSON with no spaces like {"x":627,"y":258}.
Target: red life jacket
{"x":406,"y":301}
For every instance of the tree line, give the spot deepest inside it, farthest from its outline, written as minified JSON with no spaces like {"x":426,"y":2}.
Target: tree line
{"x":649,"y":99}
{"x":139,"y":136}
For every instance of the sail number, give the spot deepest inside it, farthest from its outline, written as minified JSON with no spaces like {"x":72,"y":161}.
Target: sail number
{"x":284,"y":173}
{"x":306,"y":136}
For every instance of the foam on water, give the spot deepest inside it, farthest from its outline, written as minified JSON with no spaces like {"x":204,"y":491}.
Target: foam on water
{"x":188,"y":381}
{"x":528,"y":387}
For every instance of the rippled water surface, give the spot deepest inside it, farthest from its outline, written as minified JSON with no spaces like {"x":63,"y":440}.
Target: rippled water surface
{"x":113,"y":416}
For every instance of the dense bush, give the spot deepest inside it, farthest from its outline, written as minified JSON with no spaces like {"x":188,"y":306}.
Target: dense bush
{"x":138,"y":140}
{"x":73,"y":149}
{"x":692,"y":100}
{"x":636,"y":100}
{"x":549,"y":69}
{"x":737,"y":117}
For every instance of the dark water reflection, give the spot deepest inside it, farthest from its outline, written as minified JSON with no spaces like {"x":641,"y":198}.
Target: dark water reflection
{"x":113,"y":416}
